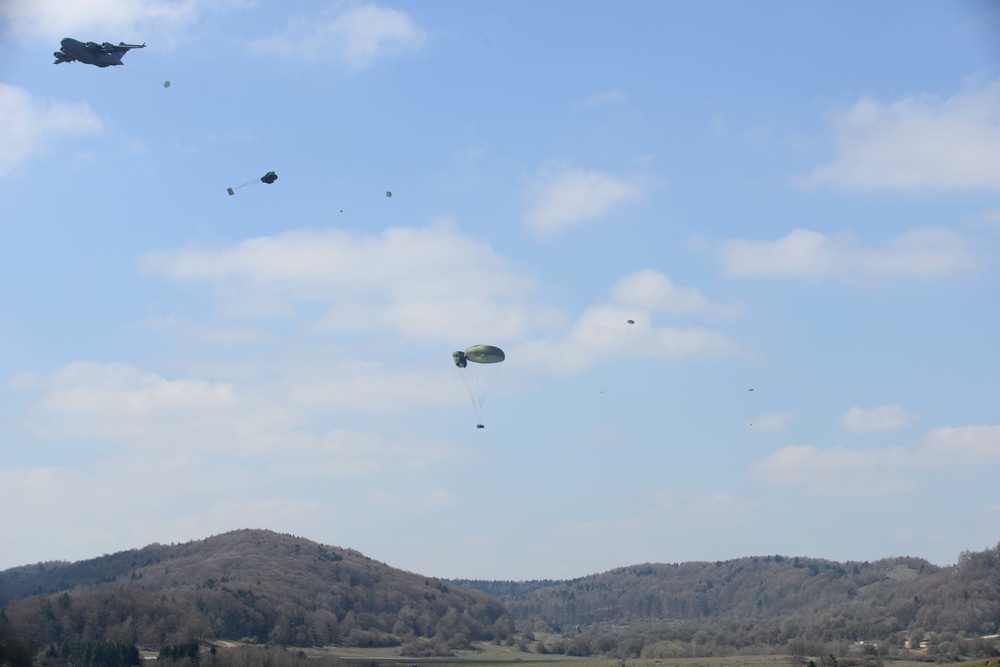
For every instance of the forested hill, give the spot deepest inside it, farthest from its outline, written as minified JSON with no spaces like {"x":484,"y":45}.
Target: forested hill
{"x":827,"y":600}
{"x":264,"y":587}
{"x":248,"y":584}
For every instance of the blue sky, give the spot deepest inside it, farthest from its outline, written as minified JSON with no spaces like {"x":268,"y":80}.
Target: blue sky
{"x":794,"y":198}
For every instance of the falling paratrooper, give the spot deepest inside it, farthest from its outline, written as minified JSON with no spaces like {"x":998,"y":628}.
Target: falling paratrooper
{"x":268,"y":178}
{"x":479,"y":377}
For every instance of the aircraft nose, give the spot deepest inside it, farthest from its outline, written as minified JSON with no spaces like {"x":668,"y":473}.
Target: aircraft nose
{"x":65,"y":40}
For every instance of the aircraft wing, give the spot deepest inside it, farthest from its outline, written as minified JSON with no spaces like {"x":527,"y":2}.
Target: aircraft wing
{"x":62,"y":58}
{"x":123,"y":45}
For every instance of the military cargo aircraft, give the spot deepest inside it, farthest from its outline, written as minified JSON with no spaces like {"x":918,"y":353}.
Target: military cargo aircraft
{"x":101,"y":55}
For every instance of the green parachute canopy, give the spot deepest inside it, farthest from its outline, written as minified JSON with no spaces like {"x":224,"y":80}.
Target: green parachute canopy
{"x":485,"y":354}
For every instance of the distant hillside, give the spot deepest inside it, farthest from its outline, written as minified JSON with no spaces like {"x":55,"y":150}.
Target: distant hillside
{"x":251,"y":585}
{"x":692,"y":609}
{"x":262,"y":587}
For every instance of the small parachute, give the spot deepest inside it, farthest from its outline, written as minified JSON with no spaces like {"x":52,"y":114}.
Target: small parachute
{"x":479,"y":376}
{"x":268,"y":178}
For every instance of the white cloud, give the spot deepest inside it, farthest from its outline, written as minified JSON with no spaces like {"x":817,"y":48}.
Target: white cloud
{"x":191,"y":330}
{"x":650,"y":289}
{"x":704,"y":511}
{"x":118,"y":401}
{"x":264,"y":418}
{"x":837,"y":471}
{"x":561,"y":198}
{"x":357,"y":37}
{"x":336,"y":453}
{"x":988,"y":220}
{"x":973,"y":445}
{"x":660,"y":518}
{"x":918,"y":142}
{"x":428,"y":284}
{"x":169,"y":498}
{"x":924,"y":253}
{"x":881,"y":418}
{"x":581,"y":530}
{"x":842,"y":471}
{"x":612,"y":97}
{"x":371,"y":388}
{"x":603,"y":331}
{"x":425,"y":502}
{"x":265,"y":412}
{"x":126,"y":20}
{"x":28,"y":127}
{"x":771,"y":423}
{"x":115,"y":387}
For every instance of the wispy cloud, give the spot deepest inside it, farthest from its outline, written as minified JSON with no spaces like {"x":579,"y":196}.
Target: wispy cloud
{"x":425,"y":502}
{"x":881,"y":418}
{"x":918,"y":143}
{"x":925,"y":253}
{"x":28,"y":127}
{"x":427,"y":284}
{"x":972,"y":445}
{"x":123,"y":20}
{"x":988,"y":220}
{"x":868,"y":471}
{"x":771,"y":423}
{"x":612,"y":97}
{"x":561,"y":198}
{"x":688,"y":509}
{"x":357,"y":37}
{"x":603,"y":330}
{"x":653,"y":290}
{"x":838,"y":471}
{"x":118,"y":401}
{"x":202,"y":499}
{"x":656,"y":521}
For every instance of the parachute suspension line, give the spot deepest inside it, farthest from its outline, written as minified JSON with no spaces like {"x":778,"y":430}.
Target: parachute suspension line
{"x":166,"y":84}
{"x":468,"y":385}
{"x":479,"y":365}
{"x":232,"y":191}
{"x":482,"y":380}
{"x":256,"y":180}
{"x":387,"y":195}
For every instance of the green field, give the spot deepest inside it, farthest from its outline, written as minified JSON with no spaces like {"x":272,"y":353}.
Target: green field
{"x":498,"y":656}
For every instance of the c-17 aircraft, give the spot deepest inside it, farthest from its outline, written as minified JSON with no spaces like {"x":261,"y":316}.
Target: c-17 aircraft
{"x":102,"y":55}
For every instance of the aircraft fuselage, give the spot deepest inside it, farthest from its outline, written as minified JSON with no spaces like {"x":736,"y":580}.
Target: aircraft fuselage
{"x":91,"y":53}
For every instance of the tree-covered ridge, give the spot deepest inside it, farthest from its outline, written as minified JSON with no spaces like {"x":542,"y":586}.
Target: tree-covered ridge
{"x":262,"y":587}
{"x":752,"y":587}
{"x":755,"y":602}
{"x":245,"y":585}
